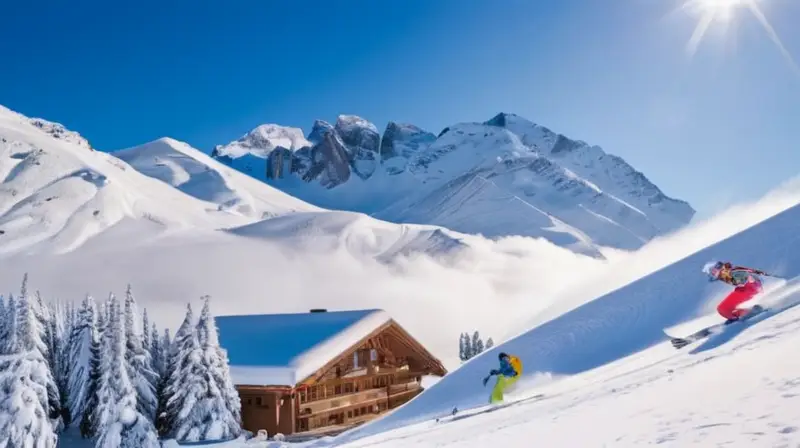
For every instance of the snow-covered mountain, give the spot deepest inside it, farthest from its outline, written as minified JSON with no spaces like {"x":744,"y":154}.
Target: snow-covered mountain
{"x":57,"y":194}
{"x":199,"y":175}
{"x":506,"y":176}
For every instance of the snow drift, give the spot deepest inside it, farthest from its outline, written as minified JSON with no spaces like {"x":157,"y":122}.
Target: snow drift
{"x":615,"y":325}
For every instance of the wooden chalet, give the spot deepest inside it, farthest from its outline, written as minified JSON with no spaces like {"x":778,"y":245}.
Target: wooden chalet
{"x":321,"y":372}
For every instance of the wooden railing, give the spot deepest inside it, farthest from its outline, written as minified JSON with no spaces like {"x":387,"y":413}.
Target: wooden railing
{"x":342,"y":401}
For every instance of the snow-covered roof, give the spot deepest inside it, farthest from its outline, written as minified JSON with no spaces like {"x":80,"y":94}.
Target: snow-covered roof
{"x":284,"y":349}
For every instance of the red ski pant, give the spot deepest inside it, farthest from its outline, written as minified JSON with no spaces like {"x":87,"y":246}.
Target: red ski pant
{"x":727,"y":308}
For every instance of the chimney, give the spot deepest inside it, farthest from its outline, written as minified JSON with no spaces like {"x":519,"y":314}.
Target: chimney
{"x":318,"y":310}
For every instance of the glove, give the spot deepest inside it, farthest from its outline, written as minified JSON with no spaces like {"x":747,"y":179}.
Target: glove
{"x":486,"y":380}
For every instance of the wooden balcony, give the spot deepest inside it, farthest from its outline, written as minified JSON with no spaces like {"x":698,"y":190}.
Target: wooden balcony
{"x":342,"y":402}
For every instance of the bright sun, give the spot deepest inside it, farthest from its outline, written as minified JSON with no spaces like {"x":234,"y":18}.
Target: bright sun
{"x":724,"y":11}
{"x":720,"y":9}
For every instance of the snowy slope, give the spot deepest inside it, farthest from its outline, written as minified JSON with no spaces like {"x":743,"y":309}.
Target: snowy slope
{"x":620,"y":324}
{"x":738,"y":391}
{"x":56,"y":192}
{"x":198,"y":175}
{"x":506,"y":176}
{"x":356,"y":233}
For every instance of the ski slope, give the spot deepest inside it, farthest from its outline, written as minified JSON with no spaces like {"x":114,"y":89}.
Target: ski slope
{"x":626,"y":323}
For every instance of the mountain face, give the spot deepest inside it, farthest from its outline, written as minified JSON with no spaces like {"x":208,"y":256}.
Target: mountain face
{"x":57,"y":193}
{"x":506,"y":176}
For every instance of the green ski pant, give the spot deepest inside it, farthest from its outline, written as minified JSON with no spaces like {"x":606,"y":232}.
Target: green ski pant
{"x":503,"y":383}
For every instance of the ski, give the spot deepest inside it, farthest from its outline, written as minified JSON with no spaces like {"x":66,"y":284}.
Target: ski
{"x":679,"y":343}
{"x":456,"y":415}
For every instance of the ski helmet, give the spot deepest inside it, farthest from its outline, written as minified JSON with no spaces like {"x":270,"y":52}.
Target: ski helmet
{"x":502,"y":355}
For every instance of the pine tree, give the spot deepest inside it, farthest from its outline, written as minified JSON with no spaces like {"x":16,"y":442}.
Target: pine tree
{"x":157,"y":352}
{"x":119,"y":423}
{"x":222,"y":419}
{"x":23,"y":403}
{"x":468,"y":351}
{"x":58,"y":350}
{"x":3,"y":319}
{"x":88,"y":425}
{"x":177,"y":356}
{"x":477,"y":344}
{"x":82,"y":339}
{"x":489,"y":343}
{"x":24,"y":379}
{"x":162,"y":425}
{"x":33,"y":328}
{"x":138,"y":360}
{"x":9,"y":342}
{"x":146,"y":334}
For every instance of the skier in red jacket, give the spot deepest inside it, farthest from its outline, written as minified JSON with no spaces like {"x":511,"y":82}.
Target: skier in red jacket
{"x":747,"y":284}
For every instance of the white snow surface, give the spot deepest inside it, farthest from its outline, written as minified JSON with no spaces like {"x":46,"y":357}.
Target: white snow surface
{"x":203,"y":177}
{"x":263,"y":140}
{"x":256,"y":360}
{"x":55,"y":195}
{"x":605,"y":366}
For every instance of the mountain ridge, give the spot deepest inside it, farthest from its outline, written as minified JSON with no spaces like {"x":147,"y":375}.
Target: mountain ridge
{"x":576,"y":186}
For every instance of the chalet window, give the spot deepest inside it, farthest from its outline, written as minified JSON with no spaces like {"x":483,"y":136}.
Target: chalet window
{"x":249,"y":401}
{"x":349,"y":414}
{"x":258,"y":401}
{"x":348,"y":388}
{"x":338,"y":389}
{"x":373,"y":355}
{"x":313,"y":393}
{"x":355,"y":359}
{"x":303,"y":397}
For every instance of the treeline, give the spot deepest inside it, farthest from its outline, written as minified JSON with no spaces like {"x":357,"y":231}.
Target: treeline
{"x":471,"y":347}
{"x":103,"y":368}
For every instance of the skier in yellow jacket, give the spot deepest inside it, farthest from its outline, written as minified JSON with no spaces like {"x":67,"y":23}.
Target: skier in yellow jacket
{"x":508,"y":374}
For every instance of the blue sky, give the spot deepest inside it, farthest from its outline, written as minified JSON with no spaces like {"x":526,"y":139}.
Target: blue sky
{"x":718,"y":127}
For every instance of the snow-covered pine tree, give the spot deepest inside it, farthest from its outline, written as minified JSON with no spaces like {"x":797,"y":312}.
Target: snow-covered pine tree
{"x":3,"y":329}
{"x":217,"y":416}
{"x":58,"y":348}
{"x":146,"y":333}
{"x":177,"y":355}
{"x":157,"y":352}
{"x":82,"y":337}
{"x":138,"y":360}
{"x":35,"y":327}
{"x":24,"y":376}
{"x":9,"y":338}
{"x":477,"y":344}
{"x":489,"y":343}
{"x":161,"y":388}
{"x":88,"y":425}
{"x":119,"y":423}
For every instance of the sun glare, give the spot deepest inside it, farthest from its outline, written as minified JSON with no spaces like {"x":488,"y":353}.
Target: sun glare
{"x":720,"y":9}
{"x":723,"y":12}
